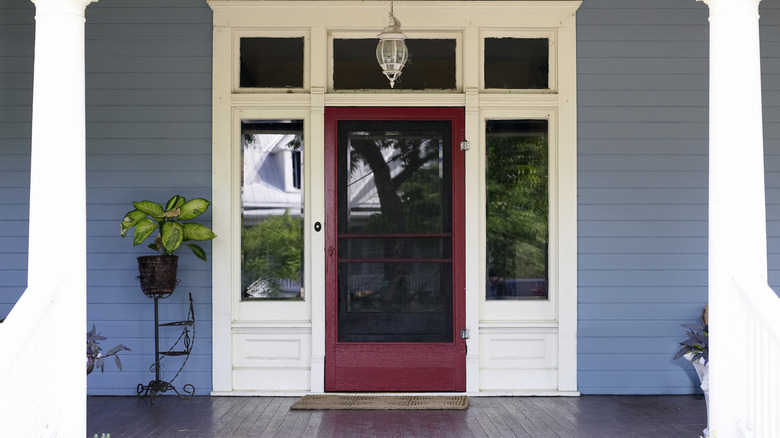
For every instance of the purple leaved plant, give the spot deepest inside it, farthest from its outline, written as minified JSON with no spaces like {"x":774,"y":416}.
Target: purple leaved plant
{"x":95,"y":356}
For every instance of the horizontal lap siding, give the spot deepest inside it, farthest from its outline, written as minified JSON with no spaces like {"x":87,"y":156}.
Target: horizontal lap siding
{"x":770,"y":66}
{"x":642,"y":185}
{"x":16,"y":66}
{"x":148,"y":85}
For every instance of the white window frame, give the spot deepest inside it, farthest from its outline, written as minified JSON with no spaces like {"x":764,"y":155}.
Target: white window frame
{"x":508,"y":311}
{"x":265,"y":309}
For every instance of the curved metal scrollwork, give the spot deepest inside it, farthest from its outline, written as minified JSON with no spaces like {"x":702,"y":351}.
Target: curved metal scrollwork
{"x":187,"y":340}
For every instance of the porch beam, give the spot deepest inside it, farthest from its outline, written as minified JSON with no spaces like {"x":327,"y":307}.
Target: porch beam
{"x":737,"y":216}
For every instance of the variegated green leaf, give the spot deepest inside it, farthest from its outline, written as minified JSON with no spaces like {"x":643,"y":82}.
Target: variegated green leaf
{"x":131,"y":219}
{"x":143,"y":229}
{"x":153,"y":209}
{"x":199,"y":252}
{"x":193,"y":208}
{"x":172,"y":235}
{"x":174,"y":203}
{"x":193,"y":231}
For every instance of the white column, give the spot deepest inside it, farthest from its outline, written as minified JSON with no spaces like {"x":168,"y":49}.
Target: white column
{"x":737,"y":217}
{"x":57,"y":234}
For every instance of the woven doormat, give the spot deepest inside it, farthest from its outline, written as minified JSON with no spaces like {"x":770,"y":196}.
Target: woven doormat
{"x":388,"y":402}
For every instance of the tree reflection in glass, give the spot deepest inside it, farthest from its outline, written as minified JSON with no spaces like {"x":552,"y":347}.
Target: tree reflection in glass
{"x":395,"y":208}
{"x":272,"y":210}
{"x":517,"y":209}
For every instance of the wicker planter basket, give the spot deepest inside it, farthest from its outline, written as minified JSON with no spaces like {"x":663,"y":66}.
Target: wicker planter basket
{"x":158,"y":275}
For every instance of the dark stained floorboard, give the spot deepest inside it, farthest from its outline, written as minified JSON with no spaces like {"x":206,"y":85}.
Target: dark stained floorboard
{"x":510,"y":417}
{"x":520,"y":417}
{"x":313,"y":426}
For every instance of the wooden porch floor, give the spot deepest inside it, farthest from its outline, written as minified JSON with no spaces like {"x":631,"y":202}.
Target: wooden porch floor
{"x":534,"y":417}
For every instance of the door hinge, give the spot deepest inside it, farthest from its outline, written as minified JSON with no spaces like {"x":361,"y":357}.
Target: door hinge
{"x":465,"y":334}
{"x":465,"y":145}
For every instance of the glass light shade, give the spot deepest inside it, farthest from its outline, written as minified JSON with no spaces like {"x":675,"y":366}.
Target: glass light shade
{"x":391,"y":52}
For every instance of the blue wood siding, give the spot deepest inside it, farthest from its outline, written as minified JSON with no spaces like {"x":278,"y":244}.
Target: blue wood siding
{"x":148,"y":95}
{"x":770,"y":82}
{"x":642,"y":181}
{"x":16,"y":66}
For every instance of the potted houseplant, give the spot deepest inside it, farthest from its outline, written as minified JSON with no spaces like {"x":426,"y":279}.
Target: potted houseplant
{"x":158,"y":272}
{"x":695,"y":349}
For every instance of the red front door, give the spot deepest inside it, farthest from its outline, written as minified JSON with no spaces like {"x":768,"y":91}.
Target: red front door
{"x":394,"y":249}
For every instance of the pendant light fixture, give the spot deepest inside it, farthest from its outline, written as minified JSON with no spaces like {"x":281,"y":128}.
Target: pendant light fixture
{"x":391,"y":52}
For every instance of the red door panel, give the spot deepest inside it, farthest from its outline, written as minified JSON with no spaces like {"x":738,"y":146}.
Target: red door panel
{"x":394,"y":249}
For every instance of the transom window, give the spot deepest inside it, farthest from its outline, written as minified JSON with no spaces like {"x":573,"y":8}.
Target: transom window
{"x":271,"y":62}
{"x":431,"y":65}
{"x":517,"y":63}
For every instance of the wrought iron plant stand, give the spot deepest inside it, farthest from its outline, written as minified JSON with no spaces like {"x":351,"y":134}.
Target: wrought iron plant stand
{"x":186,"y":338}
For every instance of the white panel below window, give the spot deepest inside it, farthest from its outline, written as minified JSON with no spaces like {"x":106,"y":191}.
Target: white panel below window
{"x":271,"y":349}
{"x":514,"y":360}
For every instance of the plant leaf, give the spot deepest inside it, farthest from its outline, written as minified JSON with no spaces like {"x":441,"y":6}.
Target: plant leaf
{"x":172,"y":234}
{"x":193,"y":208}
{"x":199,"y":252}
{"x":680,"y":353}
{"x":193,"y":231}
{"x":174,"y":203}
{"x":153,"y":209}
{"x":130,"y":220}
{"x":116,"y":349}
{"x":143,"y":229}
{"x":118,"y":362}
{"x":173,"y":213}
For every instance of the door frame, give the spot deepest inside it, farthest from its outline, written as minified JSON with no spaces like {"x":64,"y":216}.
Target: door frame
{"x":283,"y":349}
{"x":429,"y":355}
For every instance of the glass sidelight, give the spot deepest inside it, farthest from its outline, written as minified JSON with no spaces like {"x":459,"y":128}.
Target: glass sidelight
{"x":517,"y":195}
{"x":272,"y":210}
